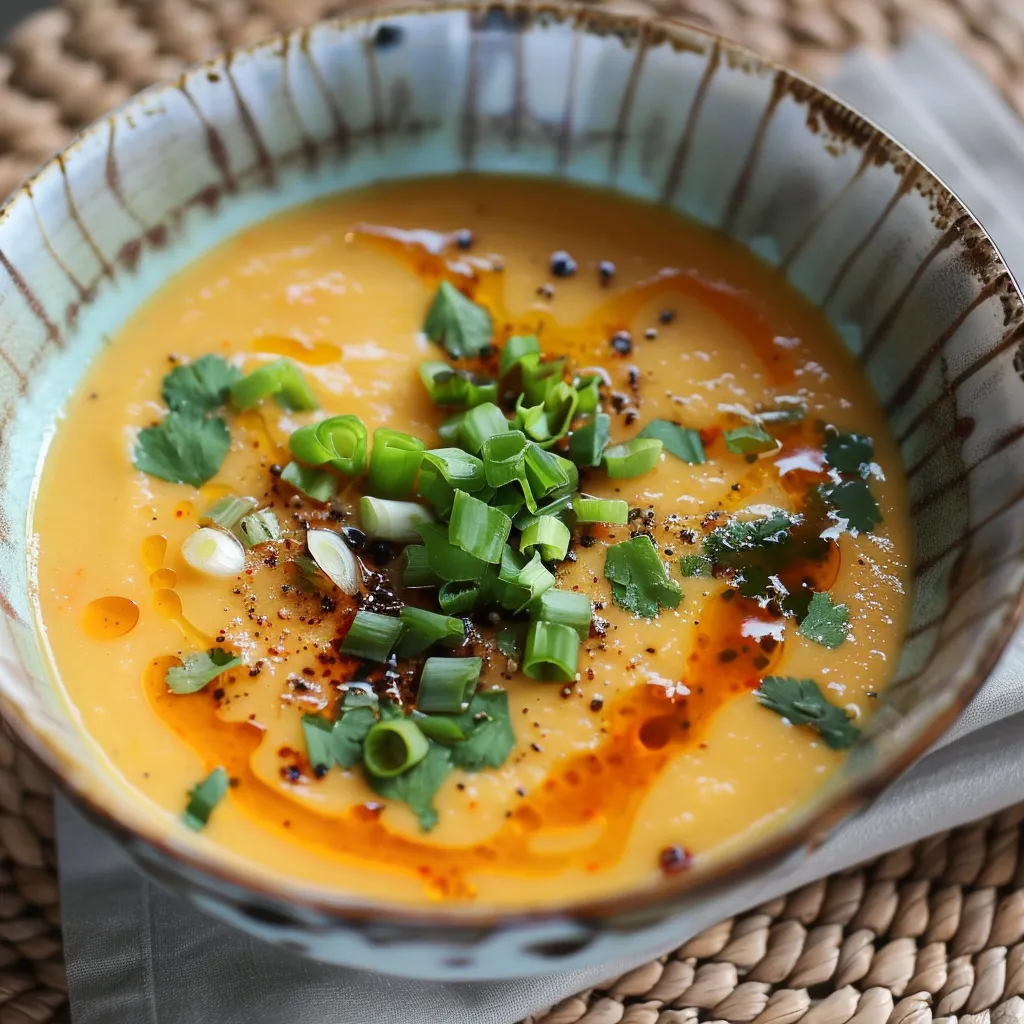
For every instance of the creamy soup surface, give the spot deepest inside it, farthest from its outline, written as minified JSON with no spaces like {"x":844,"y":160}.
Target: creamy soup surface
{"x":717,"y":686}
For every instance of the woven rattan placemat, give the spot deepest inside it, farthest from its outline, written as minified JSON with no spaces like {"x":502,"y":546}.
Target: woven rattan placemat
{"x":929,"y":932}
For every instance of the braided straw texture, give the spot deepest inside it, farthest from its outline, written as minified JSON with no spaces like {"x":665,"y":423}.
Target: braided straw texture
{"x":933,"y":932}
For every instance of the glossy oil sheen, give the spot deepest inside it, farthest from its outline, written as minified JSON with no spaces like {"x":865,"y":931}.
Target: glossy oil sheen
{"x":592,"y":794}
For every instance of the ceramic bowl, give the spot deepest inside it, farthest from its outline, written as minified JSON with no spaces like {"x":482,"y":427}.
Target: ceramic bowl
{"x":649,"y":108}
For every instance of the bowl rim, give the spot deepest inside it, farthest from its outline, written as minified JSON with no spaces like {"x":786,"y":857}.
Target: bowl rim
{"x":209,"y":865}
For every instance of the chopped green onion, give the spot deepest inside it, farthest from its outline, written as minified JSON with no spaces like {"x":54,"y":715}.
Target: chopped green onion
{"x":439,"y":728}
{"x":589,"y":391}
{"x":449,"y":561}
{"x":335,"y":560}
{"x":458,"y":389}
{"x":319,"y":735}
{"x":340,"y":441}
{"x":423,"y":629}
{"x":549,"y":536}
{"x":532,"y":420}
{"x":282,"y":379}
{"x":447,"y":684}
{"x":559,"y":507}
{"x":520,"y":581}
{"x":504,"y":458}
{"x":509,"y":640}
{"x":394,"y":746}
{"x":372,"y":636}
{"x":446,"y":470}
{"x":214,"y":552}
{"x":552,"y":652}
{"x":460,"y":597}
{"x":260,"y":528}
{"x":540,"y":379}
{"x":448,"y":432}
{"x":414,"y":566}
{"x":548,"y":473}
{"x":478,"y":529}
{"x":317,"y":484}
{"x":458,"y":323}
{"x":613,"y":511}
{"x":682,"y":442}
{"x":559,"y":409}
{"x":587,"y":443}
{"x":632,"y":457}
{"x":397,"y":521}
{"x":508,"y":499}
{"x":566,"y":607}
{"x":228,"y":512}
{"x":203,"y":798}
{"x":698,"y":566}
{"x":516,"y":348}
{"x":750,"y":439}
{"x":480,"y":423}
{"x":394,"y":463}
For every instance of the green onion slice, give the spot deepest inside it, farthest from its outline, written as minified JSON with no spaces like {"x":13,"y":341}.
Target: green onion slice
{"x":449,"y":561}
{"x":540,"y":379}
{"x":588,"y":442}
{"x":213,"y":552}
{"x":508,"y":499}
{"x":478,"y":529}
{"x":520,"y":581}
{"x":460,"y":597}
{"x":317,"y":484}
{"x":632,"y":458}
{"x":414,"y":565}
{"x":448,"y":432}
{"x":559,"y":507}
{"x":457,"y":389}
{"x":446,"y":470}
{"x":549,"y":536}
{"x":228,"y":512}
{"x":588,"y":390}
{"x":439,"y":728}
{"x":532,"y":420}
{"x":565,"y":607}
{"x":340,"y":441}
{"x":334,"y":559}
{"x":750,"y":439}
{"x":447,"y":684}
{"x":458,"y":323}
{"x":393,"y":746}
{"x":423,"y":629}
{"x":203,"y":798}
{"x":281,"y":379}
{"x":398,"y":521}
{"x":260,"y":528}
{"x":518,"y":347}
{"x":504,"y":458}
{"x":372,"y":636}
{"x":613,"y":511}
{"x":394,"y":463}
{"x":552,"y":652}
{"x":548,"y":473}
{"x":480,"y":423}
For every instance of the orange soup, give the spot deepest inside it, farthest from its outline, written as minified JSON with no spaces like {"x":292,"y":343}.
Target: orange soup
{"x":474,"y":540}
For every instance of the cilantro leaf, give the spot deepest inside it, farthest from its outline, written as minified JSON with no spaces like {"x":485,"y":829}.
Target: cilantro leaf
{"x":200,"y":668}
{"x":698,"y":566}
{"x":849,"y":453}
{"x":509,"y":641}
{"x":639,"y":579}
{"x":802,"y":703}
{"x":826,"y":623}
{"x":747,"y":535}
{"x":488,"y":729}
{"x":203,"y":385}
{"x":348,"y":734}
{"x":458,"y":323}
{"x":750,"y":439}
{"x":185,"y":448}
{"x":682,"y":442}
{"x":418,"y":786}
{"x":853,"y":501}
{"x":316,"y":731}
{"x":785,"y":410}
{"x":204,"y":797}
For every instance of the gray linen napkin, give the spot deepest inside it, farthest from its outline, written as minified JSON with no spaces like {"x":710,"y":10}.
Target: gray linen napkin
{"x":136,"y":955}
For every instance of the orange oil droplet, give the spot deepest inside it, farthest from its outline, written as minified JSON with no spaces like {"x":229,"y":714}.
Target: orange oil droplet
{"x":108,"y":618}
{"x":184,"y":510}
{"x":167,"y":604}
{"x":213,"y":492}
{"x":154,"y":549}
{"x":317,"y":353}
{"x":163,"y":579}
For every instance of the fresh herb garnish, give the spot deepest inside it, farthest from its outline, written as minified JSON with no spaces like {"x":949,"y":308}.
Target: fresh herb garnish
{"x":509,"y":641}
{"x":849,"y":453}
{"x":348,"y":734}
{"x":418,"y":786}
{"x":747,"y":535}
{"x":185,"y":448}
{"x":750,"y":439}
{"x":203,"y":385}
{"x":639,"y":578}
{"x":682,"y":442}
{"x":458,"y":323}
{"x":853,"y":501}
{"x":697,"y":566}
{"x":802,"y":703}
{"x":204,"y":797}
{"x":826,"y":623}
{"x":487,"y":726}
{"x":199,"y":669}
